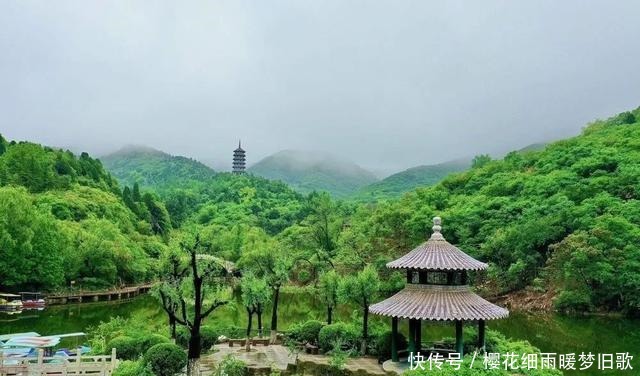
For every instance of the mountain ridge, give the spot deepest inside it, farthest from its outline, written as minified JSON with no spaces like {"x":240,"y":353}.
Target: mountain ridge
{"x":308,"y":171}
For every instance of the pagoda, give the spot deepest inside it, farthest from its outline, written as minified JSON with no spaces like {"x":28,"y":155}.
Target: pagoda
{"x":436,"y":290}
{"x":239,"y":160}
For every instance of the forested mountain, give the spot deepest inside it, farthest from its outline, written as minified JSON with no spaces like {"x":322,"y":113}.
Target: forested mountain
{"x":63,"y":218}
{"x":397,"y":184}
{"x":564,"y":219}
{"x":314,"y":171}
{"x":153,"y":168}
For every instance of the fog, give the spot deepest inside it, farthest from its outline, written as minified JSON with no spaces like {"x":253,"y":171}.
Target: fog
{"x":387,"y":84}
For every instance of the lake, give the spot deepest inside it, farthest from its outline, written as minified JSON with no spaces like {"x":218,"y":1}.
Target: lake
{"x":549,"y":332}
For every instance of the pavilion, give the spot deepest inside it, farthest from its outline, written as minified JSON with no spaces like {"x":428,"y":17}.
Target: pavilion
{"x":436,"y":290}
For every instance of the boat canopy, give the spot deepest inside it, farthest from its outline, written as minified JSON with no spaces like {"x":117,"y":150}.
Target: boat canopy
{"x":5,"y":337}
{"x":37,"y":342}
{"x":66,"y":335}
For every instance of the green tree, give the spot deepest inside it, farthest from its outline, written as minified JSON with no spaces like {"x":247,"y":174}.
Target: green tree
{"x":33,"y":247}
{"x":480,"y":160}
{"x":361,"y":289}
{"x":199,"y":289}
{"x":328,"y":291}
{"x":272,"y":262}
{"x":255,"y":296}
{"x":158,"y":215}
{"x":137,"y":197}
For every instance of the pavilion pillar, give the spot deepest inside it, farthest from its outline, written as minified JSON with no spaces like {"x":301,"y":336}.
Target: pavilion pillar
{"x":418,"y":328}
{"x":459,"y":338}
{"x":481,"y":334}
{"x":394,"y":340}
{"x":412,"y":336}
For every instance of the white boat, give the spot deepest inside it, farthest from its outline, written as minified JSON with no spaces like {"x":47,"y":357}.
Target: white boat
{"x":10,"y":302}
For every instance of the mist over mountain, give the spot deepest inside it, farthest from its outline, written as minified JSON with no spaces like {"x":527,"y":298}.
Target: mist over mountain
{"x":307,"y":171}
{"x":150,"y":167}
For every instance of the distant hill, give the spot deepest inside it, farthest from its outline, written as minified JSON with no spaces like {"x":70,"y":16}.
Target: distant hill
{"x":154,"y":168}
{"x":309,"y":171}
{"x":410,"y":179}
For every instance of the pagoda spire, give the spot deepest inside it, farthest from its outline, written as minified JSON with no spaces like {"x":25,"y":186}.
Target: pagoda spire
{"x":239,"y":159}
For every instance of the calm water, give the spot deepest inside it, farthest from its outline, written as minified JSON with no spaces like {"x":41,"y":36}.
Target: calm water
{"x":550,"y":333}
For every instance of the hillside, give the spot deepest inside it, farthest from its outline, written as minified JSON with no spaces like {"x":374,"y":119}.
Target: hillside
{"x":565,"y":219}
{"x":153,"y":168}
{"x":397,"y":184}
{"x":314,"y":171}
{"x":64,"y":218}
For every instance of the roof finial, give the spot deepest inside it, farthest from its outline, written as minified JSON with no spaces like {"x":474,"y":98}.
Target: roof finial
{"x":437,"y":227}
{"x":239,"y":144}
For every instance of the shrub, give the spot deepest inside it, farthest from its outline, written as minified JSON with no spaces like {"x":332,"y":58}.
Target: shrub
{"x":208,"y":337}
{"x":145,"y":342}
{"x":126,"y":347}
{"x":382,"y":343}
{"x":230,"y":366}
{"x":182,"y":337}
{"x":344,"y":333}
{"x":573,"y":301}
{"x":309,"y":331}
{"x":165,"y":359}
{"x":132,"y":368}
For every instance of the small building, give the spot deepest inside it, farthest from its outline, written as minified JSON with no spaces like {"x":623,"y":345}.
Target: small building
{"x":436,"y":290}
{"x":239,"y":160}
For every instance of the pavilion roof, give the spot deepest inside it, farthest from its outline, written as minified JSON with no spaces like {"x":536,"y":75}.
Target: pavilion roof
{"x":437,"y":254}
{"x":436,"y":302}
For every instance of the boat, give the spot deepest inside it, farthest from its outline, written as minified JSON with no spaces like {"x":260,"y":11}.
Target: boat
{"x":27,"y":345}
{"x":32,"y":300}
{"x":10,"y":302}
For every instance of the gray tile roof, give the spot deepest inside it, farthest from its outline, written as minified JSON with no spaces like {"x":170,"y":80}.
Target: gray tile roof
{"x":432,"y":302}
{"x":437,"y":254}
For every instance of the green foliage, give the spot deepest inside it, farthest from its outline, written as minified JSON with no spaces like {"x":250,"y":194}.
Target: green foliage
{"x":147,"y":341}
{"x":306,"y":332}
{"x":255,"y":292}
{"x":136,"y":345}
{"x":499,"y":344}
{"x":41,"y":168}
{"x":382,"y":343}
{"x":208,"y":337}
{"x":566,"y":216}
{"x":343,"y":333}
{"x":127,"y":348}
{"x":66,"y":220}
{"x":182,"y":337}
{"x":307,"y":172}
{"x":132,"y":368}
{"x":230,"y":366}
{"x":165,"y":359}
{"x":25,"y":232}
{"x":153,"y":168}
{"x":408,"y":180}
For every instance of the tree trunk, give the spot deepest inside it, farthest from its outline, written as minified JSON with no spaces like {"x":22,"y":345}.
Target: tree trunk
{"x":195,"y":349}
{"x":248,"y":344}
{"x":329,"y":314}
{"x":260,"y":323}
{"x":365,"y":329}
{"x":274,"y":315}
{"x":172,"y":326}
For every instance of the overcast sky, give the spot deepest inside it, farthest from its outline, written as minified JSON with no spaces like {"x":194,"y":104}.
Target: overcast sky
{"x":388,"y":84}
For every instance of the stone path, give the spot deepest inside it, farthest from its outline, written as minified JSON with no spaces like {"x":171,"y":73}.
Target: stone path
{"x":279,"y":357}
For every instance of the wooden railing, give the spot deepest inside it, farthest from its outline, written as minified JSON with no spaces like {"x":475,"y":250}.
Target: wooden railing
{"x":101,"y":365}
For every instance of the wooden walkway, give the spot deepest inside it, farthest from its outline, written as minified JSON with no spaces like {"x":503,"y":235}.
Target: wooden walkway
{"x":102,"y":365}
{"x":96,"y":296}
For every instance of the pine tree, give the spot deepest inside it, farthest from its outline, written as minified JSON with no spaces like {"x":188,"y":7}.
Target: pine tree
{"x":136,"y":192}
